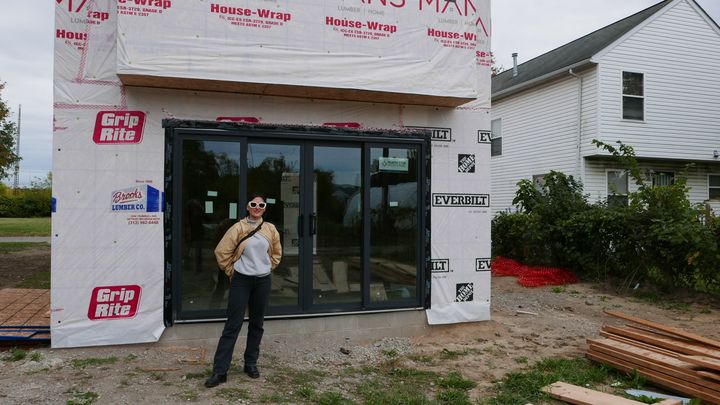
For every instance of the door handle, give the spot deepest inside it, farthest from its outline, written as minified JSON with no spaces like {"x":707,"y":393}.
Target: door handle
{"x":313,"y":224}
{"x":300,"y":230}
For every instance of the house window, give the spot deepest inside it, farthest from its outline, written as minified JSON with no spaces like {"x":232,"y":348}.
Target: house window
{"x":617,"y":188}
{"x":714,"y":186}
{"x":496,"y":141}
{"x":539,"y":181}
{"x":663,"y":178}
{"x":633,"y":96}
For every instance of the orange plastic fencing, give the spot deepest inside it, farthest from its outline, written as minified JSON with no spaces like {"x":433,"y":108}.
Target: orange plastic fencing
{"x":531,"y":276}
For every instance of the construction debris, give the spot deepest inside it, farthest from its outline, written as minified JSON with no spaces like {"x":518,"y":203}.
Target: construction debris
{"x":671,"y":358}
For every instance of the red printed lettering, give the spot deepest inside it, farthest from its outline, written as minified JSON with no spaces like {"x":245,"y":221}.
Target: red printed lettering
{"x":114,"y":302}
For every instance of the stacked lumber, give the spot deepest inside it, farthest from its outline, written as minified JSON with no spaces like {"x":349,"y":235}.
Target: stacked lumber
{"x":669,"y":357}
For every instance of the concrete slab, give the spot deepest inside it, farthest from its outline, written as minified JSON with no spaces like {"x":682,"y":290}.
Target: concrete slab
{"x":335,"y":329}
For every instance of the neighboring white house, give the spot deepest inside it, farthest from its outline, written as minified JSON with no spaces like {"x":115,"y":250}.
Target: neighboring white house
{"x":651,"y":80}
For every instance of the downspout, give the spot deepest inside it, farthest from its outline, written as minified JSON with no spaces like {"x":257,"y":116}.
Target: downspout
{"x":579,"y":167}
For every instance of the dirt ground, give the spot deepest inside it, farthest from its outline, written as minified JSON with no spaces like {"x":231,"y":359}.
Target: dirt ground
{"x":527,"y":325}
{"x":17,"y":266}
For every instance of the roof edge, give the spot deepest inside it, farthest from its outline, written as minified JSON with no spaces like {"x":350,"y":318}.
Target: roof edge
{"x":539,"y":80}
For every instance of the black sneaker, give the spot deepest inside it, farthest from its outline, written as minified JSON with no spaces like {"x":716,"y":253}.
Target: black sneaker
{"x":215,"y":380}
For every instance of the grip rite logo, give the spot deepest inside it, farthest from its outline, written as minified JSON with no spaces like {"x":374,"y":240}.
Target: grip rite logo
{"x":460,"y":200}
{"x":114,"y":302}
{"x":440,"y":265}
{"x":118,"y":127}
{"x":463,"y":292}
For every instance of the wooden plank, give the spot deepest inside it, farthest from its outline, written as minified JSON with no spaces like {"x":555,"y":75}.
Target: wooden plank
{"x":673,"y":384}
{"x":637,"y":351}
{"x":585,"y":396}
{"x":668,"y":329}
{"x":706,"y":362}
{"x":647,"y":346}
{"x":708,"y":374}
{"x":671,"y":370}
{"x":667,"y":343}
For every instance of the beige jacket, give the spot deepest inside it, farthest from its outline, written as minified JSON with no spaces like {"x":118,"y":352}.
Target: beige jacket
{"x":227,"y":251}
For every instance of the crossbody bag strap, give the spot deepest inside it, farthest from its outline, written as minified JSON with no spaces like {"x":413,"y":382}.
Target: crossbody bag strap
{"x":250,"y":234}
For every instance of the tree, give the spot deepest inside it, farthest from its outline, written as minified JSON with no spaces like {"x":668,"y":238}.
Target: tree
{"x":8,"y":130}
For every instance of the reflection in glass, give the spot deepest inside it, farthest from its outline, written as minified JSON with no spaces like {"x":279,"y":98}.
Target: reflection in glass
{"x":274,"y":170}
{"x":209,"y":200}
{"x":393,"y":224}
{"x":337,"y":269}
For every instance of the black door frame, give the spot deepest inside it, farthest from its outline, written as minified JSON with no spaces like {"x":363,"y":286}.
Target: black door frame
{"x":177,"y":130}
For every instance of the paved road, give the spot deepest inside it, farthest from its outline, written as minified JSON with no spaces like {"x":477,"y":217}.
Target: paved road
{"x":25,"y":239}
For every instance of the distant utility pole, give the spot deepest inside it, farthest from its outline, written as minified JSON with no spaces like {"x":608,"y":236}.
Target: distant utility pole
{"x":16,"y":181}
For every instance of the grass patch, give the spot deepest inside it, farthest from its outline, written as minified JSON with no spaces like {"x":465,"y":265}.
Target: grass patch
{"x":16,"y":354}
{"x":290,"y":377}
{"x":36,"y":356}
{"x":40,"y":281}
{"x":92,"y":361}
{"x":82,"y":398}
{"x":233,"y":394}
{"x":524,"y":387}
{"x":455,"y":380}
{"x":25,"y":226}
{"x":194,"y":376}
{"x":10,"y":247}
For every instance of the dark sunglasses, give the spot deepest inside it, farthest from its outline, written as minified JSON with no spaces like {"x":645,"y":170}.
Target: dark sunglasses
{"x":261,"y":205}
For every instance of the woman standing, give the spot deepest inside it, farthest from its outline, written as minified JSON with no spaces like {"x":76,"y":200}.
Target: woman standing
{"x":247,"y":253}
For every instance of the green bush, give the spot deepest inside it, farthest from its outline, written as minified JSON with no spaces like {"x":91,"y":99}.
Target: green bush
{"x":658,"y":237}
{"x":26,"y":204}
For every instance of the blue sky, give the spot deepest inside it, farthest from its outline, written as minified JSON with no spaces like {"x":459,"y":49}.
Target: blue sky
{"x":528,"y":27}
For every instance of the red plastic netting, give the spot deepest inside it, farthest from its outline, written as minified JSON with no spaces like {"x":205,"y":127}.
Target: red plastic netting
{"x":531,"y":276}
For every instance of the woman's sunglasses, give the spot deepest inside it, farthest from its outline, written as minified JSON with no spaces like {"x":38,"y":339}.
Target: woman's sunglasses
{"x":253,"y":204}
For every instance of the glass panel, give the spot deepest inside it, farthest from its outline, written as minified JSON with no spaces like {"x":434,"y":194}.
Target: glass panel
{"x":632,"y":84}
{"x":496,"y":146}
{"x":715,"y":193}
{"x":714,"y":181}
{"x":393,"y":224}
{"x":539,"y":181}
{"x":274,"y":170}
{"x":617,"y":182}
{"x":633,"y":108}
{"x":209,"y":207}
{"x":336,"y":266}
{"x":663,"y":178}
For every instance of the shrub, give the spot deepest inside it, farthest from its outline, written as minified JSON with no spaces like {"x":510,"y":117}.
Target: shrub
{"x":659,"y":236}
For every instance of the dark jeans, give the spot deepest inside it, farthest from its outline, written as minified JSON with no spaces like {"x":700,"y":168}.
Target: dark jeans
{"x":245,"y":291}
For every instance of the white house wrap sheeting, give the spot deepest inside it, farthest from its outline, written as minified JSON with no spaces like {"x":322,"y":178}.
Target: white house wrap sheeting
{"x":108,"y":144}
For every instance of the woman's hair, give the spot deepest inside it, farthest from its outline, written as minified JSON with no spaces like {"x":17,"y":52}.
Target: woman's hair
{"x":256,"y":195}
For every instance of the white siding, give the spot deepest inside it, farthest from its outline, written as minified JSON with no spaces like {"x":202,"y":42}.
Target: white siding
{"x":596,"y":182}
{"x":679,"y":54}
{"x":539,"y":133}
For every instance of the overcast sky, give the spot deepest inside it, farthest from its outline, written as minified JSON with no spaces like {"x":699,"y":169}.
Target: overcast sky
{"x":528,"y":27}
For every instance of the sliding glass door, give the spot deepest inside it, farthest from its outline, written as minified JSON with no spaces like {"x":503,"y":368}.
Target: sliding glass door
{"x":349,"y":214}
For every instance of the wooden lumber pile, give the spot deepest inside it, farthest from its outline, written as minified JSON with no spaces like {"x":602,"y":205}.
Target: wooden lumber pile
{"x":669,"y":357}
